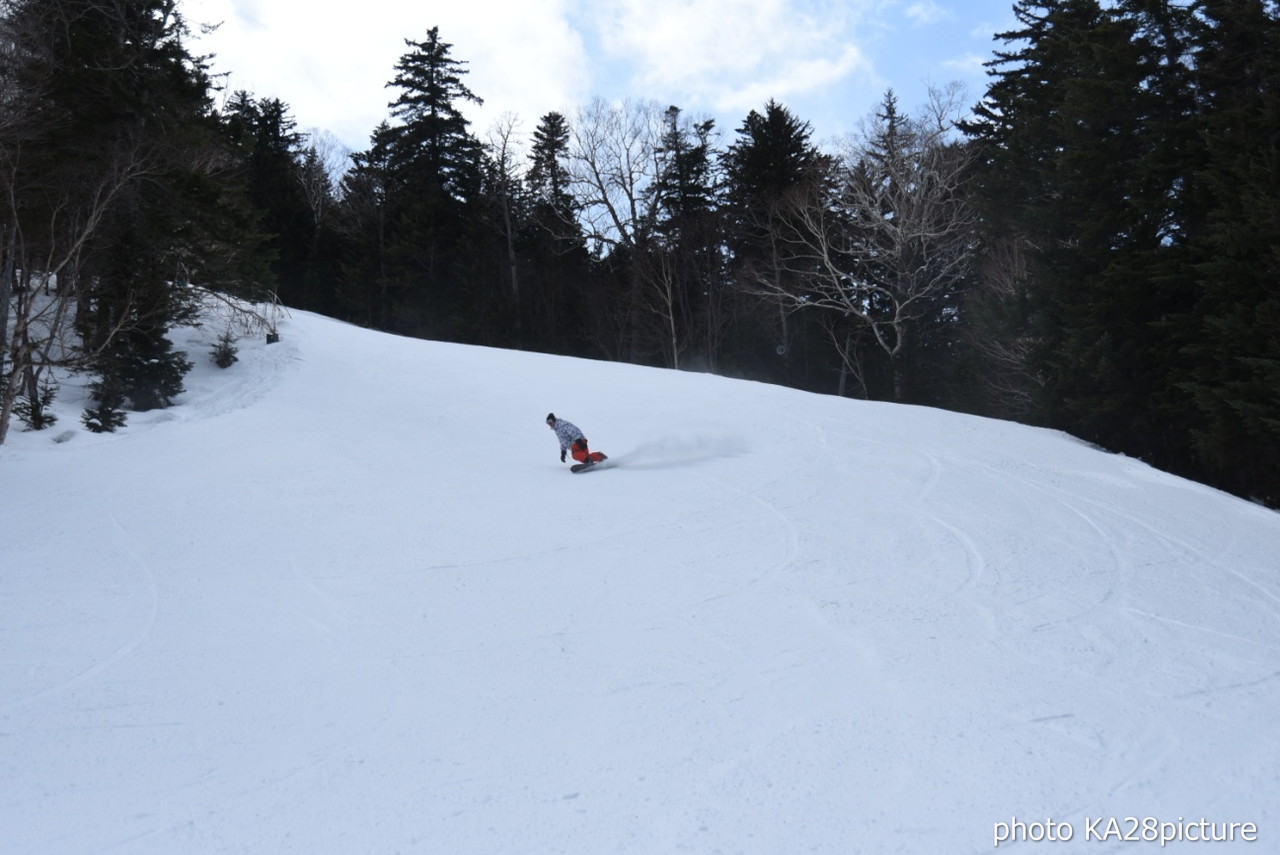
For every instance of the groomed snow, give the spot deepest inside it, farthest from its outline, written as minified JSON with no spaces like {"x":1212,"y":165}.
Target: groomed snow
{"x":344,"y":598}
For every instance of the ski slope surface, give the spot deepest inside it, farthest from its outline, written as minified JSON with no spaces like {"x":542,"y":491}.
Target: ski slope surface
{"x":345,"y":598}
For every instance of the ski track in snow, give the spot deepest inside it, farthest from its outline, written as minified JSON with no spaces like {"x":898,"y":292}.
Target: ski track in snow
{"x":383,"y":620}
{"x":139,"y":570}
{"x":1117,"y":531}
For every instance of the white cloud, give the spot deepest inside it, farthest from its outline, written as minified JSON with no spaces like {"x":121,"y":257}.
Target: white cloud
{"x":927,"y":12}
{"x":799,"y":77}
{"x":827,"y":59}
{"x":971,"y":64}
{"x":730,"y":54}
{"x":524,"y":58}
{"x":332,"y":70}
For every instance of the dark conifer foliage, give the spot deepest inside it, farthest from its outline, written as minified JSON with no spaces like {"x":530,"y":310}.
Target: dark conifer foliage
{"x":1234,"y":348}
{"x":117,"y":187}
{"x":771,"y":162}
{"x":1066,"y":127}
{"x":264,"y":136}
{"x":363,"y":220}
{"x":427,"y":170}
{"x":689,"y":237}
{"x":774,"y":154}
{"x":1129,"y":166}
{"x":553,"y":243}
{"x":432,"y":146}
{"x":554,"y":207}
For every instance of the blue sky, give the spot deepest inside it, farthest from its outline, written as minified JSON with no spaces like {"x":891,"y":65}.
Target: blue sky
{"x":828,"y":61}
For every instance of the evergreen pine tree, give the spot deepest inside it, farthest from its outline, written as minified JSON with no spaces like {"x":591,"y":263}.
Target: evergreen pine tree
{"x":549,"y":181}
{"x":270,"y":150}
{"x":1075,"y":133}
{"x":689,"y":235}
{"x":772,"y":160}
{"x":554,"y":244}
{"x":34,"y":407}
{"x":1235,"y":381}
{"x":224,"y":352}
{"x":432,"y":148}
{"x":430,"y":208}
{"x":106,"y":413}
{"x":116,"y":174}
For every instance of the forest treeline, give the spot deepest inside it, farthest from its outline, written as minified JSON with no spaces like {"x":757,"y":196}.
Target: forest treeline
{"x":1093,"y":246}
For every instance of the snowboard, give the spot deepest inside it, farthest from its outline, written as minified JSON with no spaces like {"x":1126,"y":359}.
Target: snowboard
{"x":583,"y":467}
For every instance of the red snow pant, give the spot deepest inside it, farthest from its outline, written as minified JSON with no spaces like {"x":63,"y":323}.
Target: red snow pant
{"x":581,"y":454}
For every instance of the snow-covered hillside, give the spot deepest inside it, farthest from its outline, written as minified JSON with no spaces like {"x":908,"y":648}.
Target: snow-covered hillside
{"x":345,"y":598}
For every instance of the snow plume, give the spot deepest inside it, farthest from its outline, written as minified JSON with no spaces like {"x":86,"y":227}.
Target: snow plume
{"x":693,"y":446}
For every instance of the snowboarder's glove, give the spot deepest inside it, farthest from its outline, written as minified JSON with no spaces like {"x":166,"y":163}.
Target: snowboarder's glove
{"x":562,"y":455}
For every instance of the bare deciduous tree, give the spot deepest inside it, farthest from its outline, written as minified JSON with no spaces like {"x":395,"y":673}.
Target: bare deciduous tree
{"x":43,"y":285}
{"x":326,"y":161}
{"x":886,"y":240}
{"x":1011,"y":380}
{"x":614,"y":167}
{"x":504,"y":156}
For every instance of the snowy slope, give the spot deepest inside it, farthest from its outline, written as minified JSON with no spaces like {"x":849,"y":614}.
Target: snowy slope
{"x":345,"y":598}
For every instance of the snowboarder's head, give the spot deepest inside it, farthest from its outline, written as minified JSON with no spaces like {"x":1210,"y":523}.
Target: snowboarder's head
{"x":551,"y":419}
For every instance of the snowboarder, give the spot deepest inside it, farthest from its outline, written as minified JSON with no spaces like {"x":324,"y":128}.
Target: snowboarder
{"x":572,"y":441}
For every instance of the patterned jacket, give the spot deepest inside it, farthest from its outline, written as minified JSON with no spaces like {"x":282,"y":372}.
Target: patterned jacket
{"x":567,"y":433}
